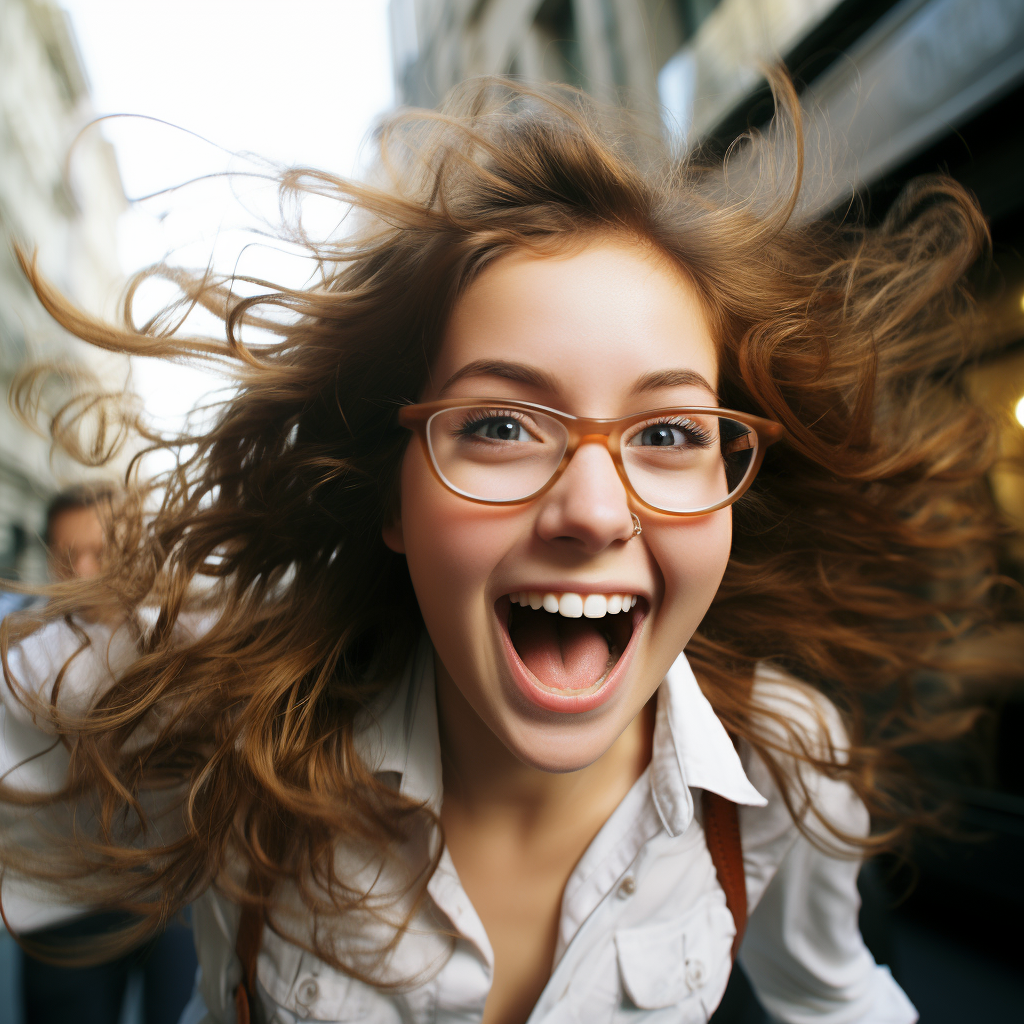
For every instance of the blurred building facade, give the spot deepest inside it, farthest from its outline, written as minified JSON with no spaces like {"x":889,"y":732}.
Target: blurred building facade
{"x":695,"y":54}
{"x":68,"y":208}
{"x":889,"y":78}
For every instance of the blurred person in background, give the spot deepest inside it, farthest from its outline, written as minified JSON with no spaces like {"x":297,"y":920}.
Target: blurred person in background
{"x":77,"y":522}
{"x":74,"y":540}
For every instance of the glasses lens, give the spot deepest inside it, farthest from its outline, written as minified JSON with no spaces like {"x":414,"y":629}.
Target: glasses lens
{"x":686,"y":462}
{"x":496,"y":453}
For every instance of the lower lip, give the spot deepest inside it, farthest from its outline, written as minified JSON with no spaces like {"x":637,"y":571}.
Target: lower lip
{"x":565,"y":703}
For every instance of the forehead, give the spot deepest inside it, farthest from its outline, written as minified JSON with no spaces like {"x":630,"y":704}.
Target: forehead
{"x":595,"y":323}
{"x":74,"y":526}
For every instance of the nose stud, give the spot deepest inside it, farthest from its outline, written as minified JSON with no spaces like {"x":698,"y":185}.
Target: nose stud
{"x":637,"y":528}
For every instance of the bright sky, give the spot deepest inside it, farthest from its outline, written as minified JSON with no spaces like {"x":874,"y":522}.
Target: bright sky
{"x":298,"y":83}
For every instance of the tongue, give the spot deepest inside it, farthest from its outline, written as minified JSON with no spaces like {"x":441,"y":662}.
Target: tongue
{"x":565,"y":654}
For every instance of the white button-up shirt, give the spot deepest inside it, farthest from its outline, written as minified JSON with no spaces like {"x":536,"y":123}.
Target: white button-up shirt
{"x":644,"y":931}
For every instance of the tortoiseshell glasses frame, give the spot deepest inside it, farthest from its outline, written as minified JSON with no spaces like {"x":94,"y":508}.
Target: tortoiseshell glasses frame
{"x":577,"y":430}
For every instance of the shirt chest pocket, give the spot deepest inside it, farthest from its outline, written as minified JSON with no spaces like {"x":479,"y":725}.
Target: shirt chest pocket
{"x":681,"y":964}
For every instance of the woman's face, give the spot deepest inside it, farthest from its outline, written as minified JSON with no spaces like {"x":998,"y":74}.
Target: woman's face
{"x":606,"y":332}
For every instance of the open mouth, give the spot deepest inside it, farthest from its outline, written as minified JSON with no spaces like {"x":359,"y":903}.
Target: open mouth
{"x":568,"y":649}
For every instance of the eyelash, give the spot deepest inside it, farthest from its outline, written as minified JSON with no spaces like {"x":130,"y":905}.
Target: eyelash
{"x":699,"y":435}
{"x":474,"y":417}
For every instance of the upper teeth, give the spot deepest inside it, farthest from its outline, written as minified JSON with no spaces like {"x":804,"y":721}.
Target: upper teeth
{"x":574,"y":606}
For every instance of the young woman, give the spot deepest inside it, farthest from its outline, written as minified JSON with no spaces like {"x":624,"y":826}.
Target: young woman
{"x":400,"y":698}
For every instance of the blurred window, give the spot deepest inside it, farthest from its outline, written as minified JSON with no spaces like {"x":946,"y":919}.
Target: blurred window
{"x":692,"y":14}
{"x":555,"y":25}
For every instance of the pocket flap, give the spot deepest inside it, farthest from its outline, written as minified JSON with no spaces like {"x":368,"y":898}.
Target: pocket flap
{"x":652,"y":962}
{"x":665,"y":963}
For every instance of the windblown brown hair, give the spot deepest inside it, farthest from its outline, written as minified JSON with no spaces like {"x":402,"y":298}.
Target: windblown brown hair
{"x":862,"y":553}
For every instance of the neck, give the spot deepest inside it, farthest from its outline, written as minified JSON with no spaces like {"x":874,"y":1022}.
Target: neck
{"x":487,"y":780}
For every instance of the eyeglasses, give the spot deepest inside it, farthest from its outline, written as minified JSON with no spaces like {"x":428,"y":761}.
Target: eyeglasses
{"x":686,"y":460}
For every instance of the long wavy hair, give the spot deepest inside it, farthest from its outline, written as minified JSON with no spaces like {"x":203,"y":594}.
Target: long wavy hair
{"x":862,"y":555}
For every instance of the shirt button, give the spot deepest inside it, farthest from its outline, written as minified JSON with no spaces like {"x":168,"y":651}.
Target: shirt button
{"x":695,"y":974}
{"x":306,"y":993}
{"x":627,"y":886}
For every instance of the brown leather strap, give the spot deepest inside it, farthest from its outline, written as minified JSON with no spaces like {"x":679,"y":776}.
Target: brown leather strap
{"x":722,"y":832}
{"x":247,"y":946}
{"x":242,"y":1005}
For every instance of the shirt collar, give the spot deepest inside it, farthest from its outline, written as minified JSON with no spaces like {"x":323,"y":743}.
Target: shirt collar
{"x":691,"y":747}
{"x":399,"y":731}
{"x":692,"y":750}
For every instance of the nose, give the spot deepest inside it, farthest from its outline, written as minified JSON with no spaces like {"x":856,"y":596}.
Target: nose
{"x":588,"y":504}
{"x":85,"y":564}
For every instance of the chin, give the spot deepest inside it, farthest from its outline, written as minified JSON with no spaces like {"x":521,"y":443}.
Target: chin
{"x":559,"y":750}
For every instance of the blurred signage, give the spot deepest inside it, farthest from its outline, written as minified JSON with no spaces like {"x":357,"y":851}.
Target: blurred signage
{"x":920,"y":70}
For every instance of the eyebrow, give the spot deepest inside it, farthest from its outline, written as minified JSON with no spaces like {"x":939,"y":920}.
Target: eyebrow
{"x":671,"y":379}
{"x":520,"y":373}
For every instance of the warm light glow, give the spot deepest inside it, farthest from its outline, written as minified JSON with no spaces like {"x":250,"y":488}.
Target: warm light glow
{"x":1020,"y":412}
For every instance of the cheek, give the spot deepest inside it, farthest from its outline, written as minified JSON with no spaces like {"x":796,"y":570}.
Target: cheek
{"x":692,"y":556}
{"x":452,"y":545}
